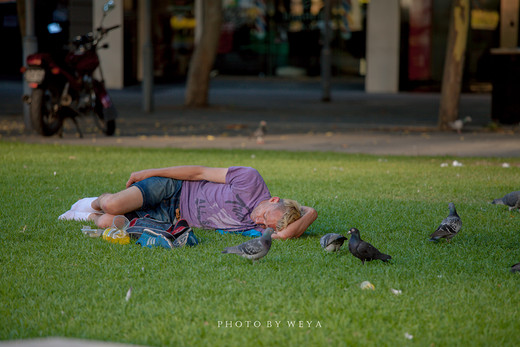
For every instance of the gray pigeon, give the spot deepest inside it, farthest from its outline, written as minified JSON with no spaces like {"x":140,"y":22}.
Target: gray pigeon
{"x":364,"y":250}
{"x":260,"y":132}
{"x":511,"y":199}
{"x":449,"y":227}
{"x":332,"y":242}
{"x":515,"y":268}
{"x":459,"y":123}
{"x":253,"y":249}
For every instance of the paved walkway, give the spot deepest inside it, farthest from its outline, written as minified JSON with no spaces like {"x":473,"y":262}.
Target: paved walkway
{"x":61,"y":342}
{"x":297,"y":120}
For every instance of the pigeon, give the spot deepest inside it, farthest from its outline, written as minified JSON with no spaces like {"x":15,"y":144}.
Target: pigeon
{"x":458,"y":124}
{"x":253,"y":249}
{"x":364,"y":250}
{"x":260,"y":132}
{"x":511,"y":199}
{"x":449,"y":227}
{"x":515,"y":268}
{"x":332,"y":242}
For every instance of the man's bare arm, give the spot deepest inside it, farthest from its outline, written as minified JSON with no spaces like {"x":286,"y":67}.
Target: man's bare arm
{"x":297,"y":228}
{"x":185,"y":173}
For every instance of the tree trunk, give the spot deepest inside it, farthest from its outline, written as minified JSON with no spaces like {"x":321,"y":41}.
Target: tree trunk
{"x":454,"y":63}
{"x":197,"y":85}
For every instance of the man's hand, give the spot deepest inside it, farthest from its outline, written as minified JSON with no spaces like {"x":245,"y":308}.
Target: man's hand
{"x":139,"y":176}
{"x":298,"y":227}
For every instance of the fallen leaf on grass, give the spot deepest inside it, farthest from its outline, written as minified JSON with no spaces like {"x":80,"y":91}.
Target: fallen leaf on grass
{"x":456,"y":163}
{"x":367,"y":285}
{"x":396,"y":291}
{"x":128,"y":294}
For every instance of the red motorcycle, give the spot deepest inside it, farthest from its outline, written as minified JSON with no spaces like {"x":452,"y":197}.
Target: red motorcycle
{"x":69,"y":89}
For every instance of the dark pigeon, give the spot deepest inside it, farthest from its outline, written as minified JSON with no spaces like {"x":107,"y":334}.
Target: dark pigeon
{"x":253,"y":249}
{"x":332,"y":242}
{"x":364,"y":250}
{"x":449,"y":227}
{"x":511,"y":199}
{"x":515,"y":268}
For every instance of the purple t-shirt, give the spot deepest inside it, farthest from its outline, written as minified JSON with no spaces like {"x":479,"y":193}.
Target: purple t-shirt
{"x":210,"y":205}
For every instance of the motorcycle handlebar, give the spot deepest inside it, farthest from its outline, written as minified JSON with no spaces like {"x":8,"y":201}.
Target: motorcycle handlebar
{"x":106,"y":30}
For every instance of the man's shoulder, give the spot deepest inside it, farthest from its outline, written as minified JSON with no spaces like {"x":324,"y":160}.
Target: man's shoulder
{"x":244,"y":176}
{"x":243,"y":170}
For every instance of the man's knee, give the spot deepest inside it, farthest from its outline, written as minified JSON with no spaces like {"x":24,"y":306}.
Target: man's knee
{"x":110,"y":204}
{"x":125,"y":201}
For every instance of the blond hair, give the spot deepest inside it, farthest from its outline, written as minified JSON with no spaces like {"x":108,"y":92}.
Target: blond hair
{"x":291,"y":212}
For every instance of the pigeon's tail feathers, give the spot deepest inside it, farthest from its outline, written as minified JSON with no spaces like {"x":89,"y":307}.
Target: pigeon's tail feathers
{"x":233,"y":250}
{"x":434,"y":239}
{"x":439,"y":234}
{"x":448,"y":235}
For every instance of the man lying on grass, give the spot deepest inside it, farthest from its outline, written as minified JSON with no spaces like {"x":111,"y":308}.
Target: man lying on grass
{"x":234,"y":199}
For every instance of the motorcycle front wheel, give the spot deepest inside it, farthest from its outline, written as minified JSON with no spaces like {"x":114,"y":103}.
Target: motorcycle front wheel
{"x":44,"y":108}
{"x":107,"y":127}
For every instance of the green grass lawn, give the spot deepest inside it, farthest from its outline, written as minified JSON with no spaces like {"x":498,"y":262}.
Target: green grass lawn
{"x":57,"y":282}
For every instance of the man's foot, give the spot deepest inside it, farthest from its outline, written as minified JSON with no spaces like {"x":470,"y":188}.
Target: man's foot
{"x":84,"y":205}
{"x":77,"y":215}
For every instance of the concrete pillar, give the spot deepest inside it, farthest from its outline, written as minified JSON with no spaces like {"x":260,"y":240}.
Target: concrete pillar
{"x":509,"y":23}
{"x":30,"y":46}
{"x":383,"y":36}
{"x":112,"y":60}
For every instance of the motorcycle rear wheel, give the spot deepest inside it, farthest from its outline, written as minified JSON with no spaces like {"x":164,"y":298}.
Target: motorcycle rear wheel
{"x":107,"y":127}
{"x":45,"y":117}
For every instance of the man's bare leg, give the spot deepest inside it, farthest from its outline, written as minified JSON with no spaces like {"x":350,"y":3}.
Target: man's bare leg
{"x":95,"y":204}
{"x":111,"y":205}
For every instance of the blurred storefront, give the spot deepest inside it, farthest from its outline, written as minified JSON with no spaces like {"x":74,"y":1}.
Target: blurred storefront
{"x":424,"y":31}
{"x":259,"y":37}
{"x":285,"y":37}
